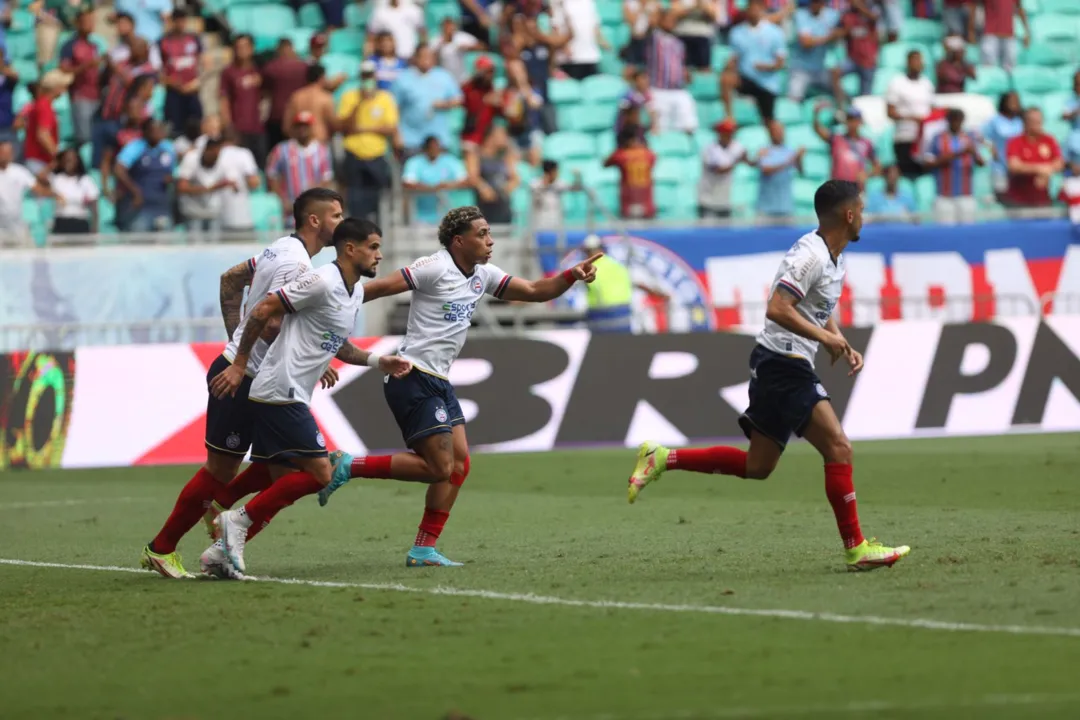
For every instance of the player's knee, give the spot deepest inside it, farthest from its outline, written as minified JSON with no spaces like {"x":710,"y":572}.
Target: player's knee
{"x":223,"y":468}
{"x":759,"y":469}
{"x":461,"y":471}
{"x":442,"y":468}
{"x":839,"y":450}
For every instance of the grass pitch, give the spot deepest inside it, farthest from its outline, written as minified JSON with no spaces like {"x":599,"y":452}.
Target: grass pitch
{"x":988,"y":603}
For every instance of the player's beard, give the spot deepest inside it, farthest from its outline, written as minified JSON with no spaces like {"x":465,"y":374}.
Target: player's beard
{"x":367,"y":272}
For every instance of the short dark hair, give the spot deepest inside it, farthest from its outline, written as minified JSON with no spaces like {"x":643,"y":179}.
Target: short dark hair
{"x":1004,"y":99}
{"x":954,"y":114}
{"x":356,"y":230}
{"x":80,"y":167}
{"x":315,"y":73}
{"x":124,"y":16}
{"x":430,"y":139}
{"x":550,"y":166}
{"x":244,"y":36}
{"x":832,"y":195}
{"x":457,"y":222}
{"x":913,"y":53}
{"x":147,"y":124}
{"x":308,"y":198}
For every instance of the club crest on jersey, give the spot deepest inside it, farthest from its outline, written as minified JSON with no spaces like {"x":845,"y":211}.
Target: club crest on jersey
{"x":689,"y":307}
{"x":320,"y":440}
{"x":440,"y":414}
{"x":232,"y":441}
{"x":477,"y":286}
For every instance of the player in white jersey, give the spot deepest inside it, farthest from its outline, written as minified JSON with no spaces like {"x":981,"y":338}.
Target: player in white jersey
{"x":319,"y":310}
{"x":446,"y":288}
{"x":785,"y":393}
{"x":228,"y":420}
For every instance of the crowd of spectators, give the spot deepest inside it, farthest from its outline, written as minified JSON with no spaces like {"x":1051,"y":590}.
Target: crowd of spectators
{"x":288,"y":119}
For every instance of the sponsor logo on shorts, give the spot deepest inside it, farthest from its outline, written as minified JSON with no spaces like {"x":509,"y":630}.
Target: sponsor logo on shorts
{"x":440,"y":414}
{"x":320,"y":440}
{"x":821,"y":390}
{"x":232,"y":441}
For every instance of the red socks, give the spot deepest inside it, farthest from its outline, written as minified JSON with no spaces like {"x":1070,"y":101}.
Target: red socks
{"x":431,"y":527}
{"x":721,"y":460}
{"x":841,"y":493}
{"x":371,"y":466}
{"x":255,"y":479}
{"x":283,"y":493}
{"x":190,"y":506}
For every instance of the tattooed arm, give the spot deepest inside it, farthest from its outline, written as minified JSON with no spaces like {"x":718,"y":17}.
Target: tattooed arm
{"x":233,"y":282}
{"x":389,"y":364}
{"x":228,"y":380}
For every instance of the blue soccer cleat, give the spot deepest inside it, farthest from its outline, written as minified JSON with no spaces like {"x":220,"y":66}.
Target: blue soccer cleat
{"x":342,"y":460}
{"x":428,"y":557}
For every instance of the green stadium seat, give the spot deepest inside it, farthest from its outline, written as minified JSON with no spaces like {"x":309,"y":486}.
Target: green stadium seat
{"x":617,"y":36}
{"x":22,"y":20}
{"x":521,"y":205}
{"x":1031,"y":79}
{"x":882,"y":78}
{"x":344,"y":41}
{"x":816,"y":167}
{"x":705,"y":86}
{"x":788,"y":111}
{"x":753,"y":139}
{"x":894,"y":55}
{"x":357,"y":14}
{"x":746,"y":112}
{"x":605,"y":143}
{"x":565,"y":145}
{"x":1062,"y":7}
{"x":1047,"y":55}
{"x":720,"y":55}
{"x":610,"y":63}
{"x":21,"y":46}
{"x":106,"y":214}
{"x":603,"y":88}
{"x":311,"y":16}
{"x":989,"y":80}
{"x":563,"y":92}
{"x":709,"y":113}
{"x":744,"y":196}
{"x":925,"y":192}
{"x":266,"y":209}
{"x":1055,"y":28}
{"x":341,"y":63}
{"x":439,"y":11}
{"x":610,"y":13}
{"x":266,"y":20}
{"x":802,"y":136}
{"x":672,"y":144}
{"x":27,"y":69}
{"x":598,"y":175}
{"x":669,"y":170}
{"x":589,"y":117}
{"x":919,"y":30}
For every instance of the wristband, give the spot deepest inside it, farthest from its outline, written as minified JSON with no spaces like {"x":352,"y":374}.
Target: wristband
{"x":373,"y":360}
{"x":568,"y":276}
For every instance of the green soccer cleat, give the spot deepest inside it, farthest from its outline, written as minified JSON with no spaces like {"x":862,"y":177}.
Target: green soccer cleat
{"x":209,"y":516}
{"x":169,"y":566}
{"x":651,"y":464}
{"x":871,"y":555}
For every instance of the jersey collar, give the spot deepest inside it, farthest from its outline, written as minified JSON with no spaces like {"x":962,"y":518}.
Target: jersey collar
{"x":453,"y":260}
{"x":827,"y":248}
{"x":343,"y":280}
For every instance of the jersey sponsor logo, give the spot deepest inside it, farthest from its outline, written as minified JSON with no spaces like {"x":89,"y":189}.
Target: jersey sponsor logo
{"x":306,"y":280}
{"x":232,"y":441}
{"x":655,"y":270}
{"x":799,"y":272}
{"x":320,"y":440}
{"x":477,"y":286}
{"x":269,"y":254}
{"x":824,"y":311}
{"x":332,"y":342}
{"x":440,"y":414}
{"x":458,"y":312}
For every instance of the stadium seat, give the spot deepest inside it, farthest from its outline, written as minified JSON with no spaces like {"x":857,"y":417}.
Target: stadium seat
{"x":801,"y":136}
{"x":922,"y":31}
{"x":605,"y":144}
{"x":744,"y":196}
{"x":816,"y":166}
{"x":439,"y":11}
{"x":565,"y":145}
{"x":266,"y":20}
{"x":705,"y":86}
{"x":709,"y":113}
{"x":720,"y":55}
{"x":989,"y":80}
{"x":746,"y":112}
{"x":610,"y":13}
{"x":357,"y":14}
{"x":1062,"y":7}
{"x":882,"y":78}
{"x":27,"y":69}
{"x":311,"y":16}
{"x":266,"y":209}
{"x":925,"y":192}
{"x":1054,"y":28}
{"x":21,"y":46}
{"x":672,"y":144}
{"x":1030,"y":79}
{"x":345,"y":41}
{"x":590,"y":117}
{"x":564,"y":91}
{"x":340,"y":63}
{"x":894,"y":55}
{"x":753,"y":139}
{"x":789,"y":112}
{"x":1046,"y":55}
{"x":602,"y":88}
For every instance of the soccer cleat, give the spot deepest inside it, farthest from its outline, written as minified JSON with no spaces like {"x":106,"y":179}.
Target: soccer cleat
{"x":208,"y":519}
{"x":233,"y":535}
{"x":342,"y":462}
{"x":428,"y":557}
{"x":651,"y":464}
{"x":871,"y":555}
{"x":214,"y":563}
{"x":169,"y":565}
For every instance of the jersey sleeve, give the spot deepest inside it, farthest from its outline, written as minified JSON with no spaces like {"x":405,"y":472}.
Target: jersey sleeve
{"x":307,"y":290}
{"x":802,"y":270}
{"x":423,"y":274}
{"x":495,"y":280}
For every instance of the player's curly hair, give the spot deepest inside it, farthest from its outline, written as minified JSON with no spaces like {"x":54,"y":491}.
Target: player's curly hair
{"x":457,"y":222}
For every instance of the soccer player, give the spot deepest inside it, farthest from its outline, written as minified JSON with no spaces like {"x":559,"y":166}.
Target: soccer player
{"x":319,"y":310}
{"x":785,"y":394}
{"x":228,"y":419}
{"x":446,"y":289}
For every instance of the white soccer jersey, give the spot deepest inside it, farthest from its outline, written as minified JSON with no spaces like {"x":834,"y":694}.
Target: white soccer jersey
{"x":809,"y":273}
{"x":279,"y":264}
{"x":320,"y":314}
{"x":443,"y":302}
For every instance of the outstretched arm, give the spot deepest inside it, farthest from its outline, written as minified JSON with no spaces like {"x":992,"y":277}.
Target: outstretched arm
{"x":233,"y":282}
{"x":390,"y":364}
{"x":392,"y":284}
{"x":550,"y":288}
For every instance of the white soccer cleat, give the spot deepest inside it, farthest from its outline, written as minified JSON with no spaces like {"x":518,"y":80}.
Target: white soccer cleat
{"x":214,"y":563}
{"x":233,"y":536}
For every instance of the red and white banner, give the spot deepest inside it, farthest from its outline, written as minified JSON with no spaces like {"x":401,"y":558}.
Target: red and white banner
{"x":145,"y":405}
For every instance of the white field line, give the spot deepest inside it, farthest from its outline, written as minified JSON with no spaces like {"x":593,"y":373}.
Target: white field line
{"x":531,"y":599}
{"x":30,"y":504}
{"x":866,"y":709}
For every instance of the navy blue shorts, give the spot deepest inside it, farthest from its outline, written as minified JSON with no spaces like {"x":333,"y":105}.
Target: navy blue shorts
{"x":229,"y":419}
{"x":283,"y":432}
{"x":423,"y":405}
{"x":783,"y":393}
